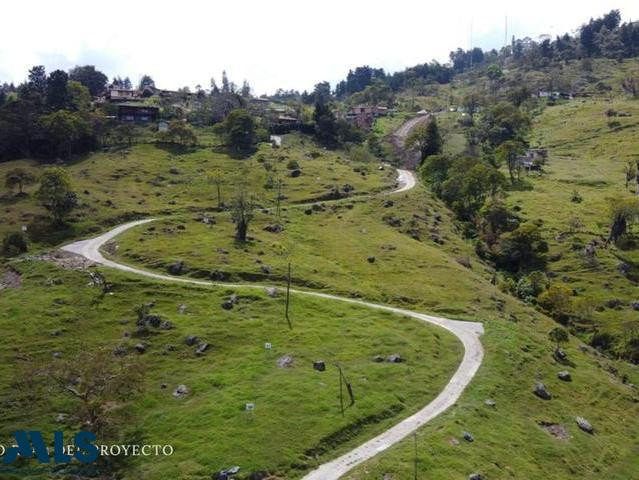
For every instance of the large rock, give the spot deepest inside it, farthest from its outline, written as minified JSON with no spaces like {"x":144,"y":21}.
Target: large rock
{"x":271,"y":291}
{"x":201,"y":348}
{"x":541,"y":391}
{"x":285,"y":362}
{"x":468,"y":437}
{"x":178,"y":268}
{"x":295,"y":173}
{"x":584,"y":425}
{"x":564,"y":375}
{"x":395,"y":358}
{"x":181,"y":391}
{"x":191,"y":340}
{"x":319,"y":365}
{"x":475,"y":476}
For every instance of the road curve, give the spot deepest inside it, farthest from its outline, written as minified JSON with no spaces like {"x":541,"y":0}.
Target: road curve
{"x":467,"y":332}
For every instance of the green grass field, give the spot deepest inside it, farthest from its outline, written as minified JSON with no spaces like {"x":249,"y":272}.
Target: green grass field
{"x":150,"y":180}
{"x":209,"y":429}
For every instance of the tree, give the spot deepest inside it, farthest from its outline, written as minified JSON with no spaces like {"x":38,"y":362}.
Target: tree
{"x":508,"y":153}
{"x":623,"y":212}
{"x":179,"y":132}
{"x":146,"y":81}
{"x":97,"y":381}
{"x":19,"y":177}
{"x":239,"y":130}
{"x":78,"y":97}
{"x":218,"y":181}
{"x":64,"y":129}
{"x":57,"y":89}
{"x":225,"y":83}
{"x":242,"y":214}
{"x":126,"y":84}
{"x":325,"y":125}
{"x":36,"y":87}
{"x":558,"y":336}
{"x":557,"y":301}
{"x":434,"y":170}
{"x":426,"y":138}
{"x":246,"y":89}
{"x":55,"y":193}
{"x":502,"y":122}
{"x":471,"y":103}
{"x":91,"y":78}
{"x":15,"y":243}
{"x":521,"y":249}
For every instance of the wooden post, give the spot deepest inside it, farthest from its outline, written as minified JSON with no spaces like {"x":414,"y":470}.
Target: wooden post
{"x":341,"y":394}
{"x":288,"y":295}
{"x":415,"y":455}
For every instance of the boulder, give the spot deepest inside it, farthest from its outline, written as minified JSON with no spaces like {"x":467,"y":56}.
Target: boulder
{"x":140,"y":347}
{"x":201,"y":348}
{"x":181,"y":391}
{"x":395,"y":358}
{"x":635,"y":305}
{"x":468,"y":437}
{"x":560,"y":354}
{"x":153,"y":320}
{"x":230,"y":302}
{"x":319,"y":365}
{"x":265,"y":269}
{"x":182,"y":309}
{"x":564,"y":375}
{"x":584,"y":425}
{"x":378,"y":358}
{"x":371,"y":259}
{"x":285,"y":362}
{"x":489,"y":402}
{"x":475,"y":476}
{"x":166,"y":325}
{"x":295,"y":173}
{"x":388,"y":203}
{"x":57,"y":355}
{"x":348,"y":187}
{"x":271,"y":291}
{"x":274,"y":228}
{"x":541,"y":391}
{"x":119,"y":351}
{"x":191,"y":340}
{"x":177,"y":268}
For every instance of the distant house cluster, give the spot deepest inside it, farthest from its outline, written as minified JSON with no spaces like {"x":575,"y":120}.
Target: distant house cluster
{"x":277,"y":113}
{"x":363,"y":116}
{"x":137,"y":105}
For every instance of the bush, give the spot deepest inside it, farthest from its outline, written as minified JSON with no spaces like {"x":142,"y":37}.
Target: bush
{"x":557,"y":301}
{"x":603,"y":341}
{"x":292,"y":165}
{"x":15,"y":243}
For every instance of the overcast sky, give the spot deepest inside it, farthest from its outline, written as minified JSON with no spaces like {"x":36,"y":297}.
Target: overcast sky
{"x":271,"y":43}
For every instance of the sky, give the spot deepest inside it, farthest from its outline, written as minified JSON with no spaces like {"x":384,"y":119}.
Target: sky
{"x":272,"y":44}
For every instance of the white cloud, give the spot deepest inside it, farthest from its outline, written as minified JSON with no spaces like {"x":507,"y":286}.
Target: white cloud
{"x":279,"y":43}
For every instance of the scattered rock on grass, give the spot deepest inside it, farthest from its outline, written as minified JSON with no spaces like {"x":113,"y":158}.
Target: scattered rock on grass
{"x":468,"y":437}
{"x":271,"y":291}
{"x":191,"y":340}
{"x":201,"y":348}
{"x":285,"y":362}
{"x":371,"y":259}
{"x":475,"y":476}
{"x":584,"y":425}
{"x":181,"y":391}
{"x":395,"y":358}
{"x":541,"y":391}
{"x":564,"y":375}
{"x":489,"y":402}
{"x":319,"y":365}
{"x":178,"y":268}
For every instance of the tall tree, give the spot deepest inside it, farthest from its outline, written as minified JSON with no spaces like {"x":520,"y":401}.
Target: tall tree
{"x":55,"y":193}
{"x":146,"y":81}
{"x":19,"y":177}
{"x":91,"y":78}
{"x":57,"y":95}
{"x":426,"y":138}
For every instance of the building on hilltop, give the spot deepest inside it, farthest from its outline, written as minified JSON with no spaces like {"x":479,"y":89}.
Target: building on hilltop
{"x":128,"y":112}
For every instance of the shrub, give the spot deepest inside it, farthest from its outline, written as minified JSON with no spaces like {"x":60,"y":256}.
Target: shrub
{"x":15,"y":243}
{"x":603,"y":341}
{"x":557,"y":301}
{"x":292,"y":164}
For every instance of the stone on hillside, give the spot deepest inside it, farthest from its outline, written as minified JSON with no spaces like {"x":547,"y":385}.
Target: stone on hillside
{"x":265,"y":269}
{"x":308,"y":211}
{"x":348,"y":187}
{"x":119,"y":351}
{"x":468,"y":437}
{"x":560,"y":354}
{"x":271,"y":291}
{"x":140,"y":347}
{"x":371,"y":259}
{"x":541,"y":391}
{"x":285,"y":362}
{"x":219,"y":276}
{"x":395,"y":358}
{"x":475,"y":476}
{"x":178,"y":268}
{"x":57,"y":355}
{"x":623,"y":268}
{"x":230,"y":302}
{"x":295,"y":173}
{"x":564,"y":375}
{"x":584,"y":425}
{"x":166,"y":325}
{"x":181,"y":391}
{"x":201,"y":348}
{"x":174,"y":171}
{"x":489,"y":402}
{"x":393,"y":221}
{"x":613,"y":303}
{"x":388,"y":203}
{"x":182,"y":308}
{"x":319,"y":365}
{"x":153,"y":320}
{"x":634,"y":305}
{"x":378,"y":358}
{"x":274,"y":228}
{"x":191,"y":340}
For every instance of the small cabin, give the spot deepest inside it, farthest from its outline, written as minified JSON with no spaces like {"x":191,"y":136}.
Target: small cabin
{"x":138,"y":113}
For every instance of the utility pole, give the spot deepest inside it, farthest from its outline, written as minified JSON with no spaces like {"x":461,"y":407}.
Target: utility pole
{"x":415,"y":455}
{"x":288,"y":295}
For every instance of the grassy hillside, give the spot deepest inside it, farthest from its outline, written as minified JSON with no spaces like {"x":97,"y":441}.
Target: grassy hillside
{"x":148,"y":179}
{"x":54,"y":310}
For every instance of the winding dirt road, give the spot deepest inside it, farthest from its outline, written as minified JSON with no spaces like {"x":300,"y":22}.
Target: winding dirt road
{"x":467,"y":332}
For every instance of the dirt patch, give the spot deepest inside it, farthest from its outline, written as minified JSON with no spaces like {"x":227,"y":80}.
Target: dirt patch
{"x":68,"y":260}
{"x":10,"y":279}
{"x":556,"y":430}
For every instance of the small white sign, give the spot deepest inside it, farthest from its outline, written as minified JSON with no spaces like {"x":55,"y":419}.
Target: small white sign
{"x":250,"y":407}
{"x":268,"y":345}
{"x":24,"y":228}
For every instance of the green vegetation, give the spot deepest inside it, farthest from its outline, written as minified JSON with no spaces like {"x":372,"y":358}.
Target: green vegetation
{"x":234,"y":370}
